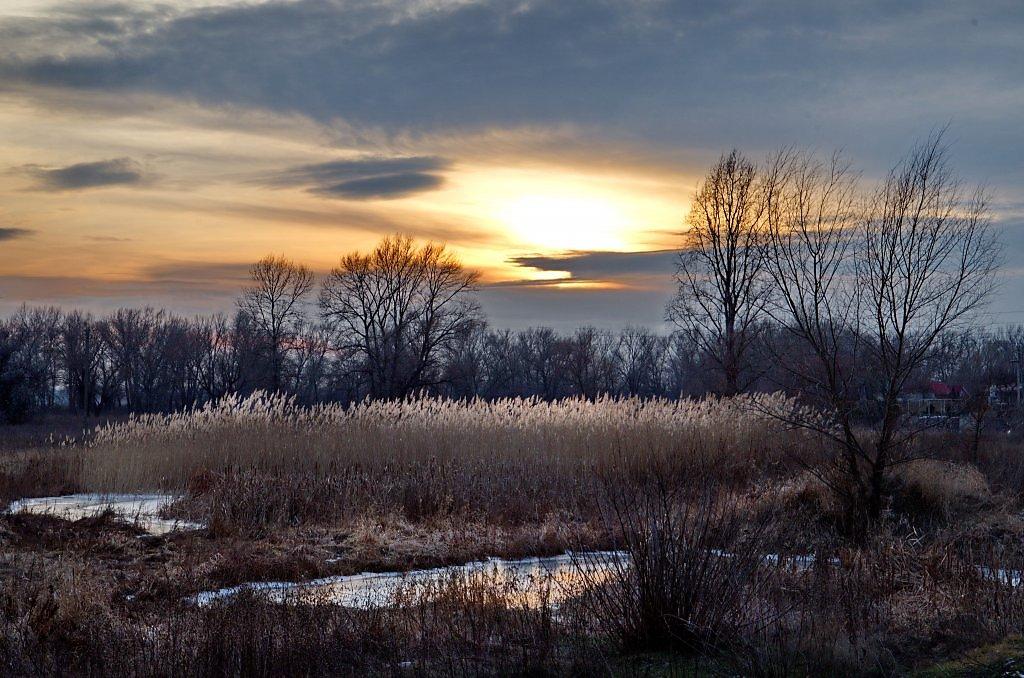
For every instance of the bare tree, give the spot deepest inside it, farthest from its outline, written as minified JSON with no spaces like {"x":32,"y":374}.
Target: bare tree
{"x":542,"y":355}
{"x":590,"y":362}
{"x":640,"y":357}
{"x":721,"y":287}
{"x":82,"y":355}
{"x":23,"y":368}
{"x":274,"y":305}
{"x":312,"y":357}
{"x":870,"y":291}
{"x":399,"y":307}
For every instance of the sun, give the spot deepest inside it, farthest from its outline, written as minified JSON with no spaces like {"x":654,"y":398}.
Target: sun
{"x":560,"y":222}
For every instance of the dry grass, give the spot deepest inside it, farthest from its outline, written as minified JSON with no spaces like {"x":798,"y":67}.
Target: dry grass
{"x":262,"y":461}
{"x":941,"y":489}
{"x":272,"y":433}
{"x":32,"y":473}
{"x":59,"y":618}
{"x":701,"y":493}
{"x":885,"y":607}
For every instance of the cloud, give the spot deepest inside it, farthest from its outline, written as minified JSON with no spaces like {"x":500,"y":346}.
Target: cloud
{"x":336,"y":215}
{"x":14,"y":233}
{"x":384,"y":186}
{"x":84,"y":175}
{"x":366,"y":178}
{"x":104,"y":296}
{"x":748,"y":73}
{"x":565,"y":309}
{"x":649,"y":271}
{"x":604,"y":266}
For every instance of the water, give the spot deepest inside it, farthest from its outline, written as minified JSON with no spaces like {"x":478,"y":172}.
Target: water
{"x":1011,"y":578}
{"x":530,"y":582}
{"x":138,"y":509}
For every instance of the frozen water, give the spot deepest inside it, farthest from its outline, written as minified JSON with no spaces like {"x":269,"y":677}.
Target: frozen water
{"x":530,"y":582}
{"x":139,"y":509}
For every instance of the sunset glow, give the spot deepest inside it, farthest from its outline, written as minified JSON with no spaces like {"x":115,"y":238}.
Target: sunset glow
{"x":564,"y":222}
{"x":125,"y":179}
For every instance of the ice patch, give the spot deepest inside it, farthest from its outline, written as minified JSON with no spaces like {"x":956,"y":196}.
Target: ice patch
{"x":139,"y":509}
{"x":1011,"y":578}
{"x":531,"y":582}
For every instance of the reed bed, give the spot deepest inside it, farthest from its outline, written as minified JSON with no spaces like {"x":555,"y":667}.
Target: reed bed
{"x":265,"y":459}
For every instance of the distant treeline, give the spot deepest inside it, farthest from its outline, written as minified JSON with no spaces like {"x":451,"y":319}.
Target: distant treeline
{"x":146,"y":360}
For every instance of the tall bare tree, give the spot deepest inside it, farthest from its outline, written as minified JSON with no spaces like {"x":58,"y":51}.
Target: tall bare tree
{"x":399,"y":307}
{"x":870,"y":290}
{"x":721,"y":285}
{"x":274,"y":304}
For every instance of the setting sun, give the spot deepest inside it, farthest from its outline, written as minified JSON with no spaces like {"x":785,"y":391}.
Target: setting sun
{"x":565,"y":222}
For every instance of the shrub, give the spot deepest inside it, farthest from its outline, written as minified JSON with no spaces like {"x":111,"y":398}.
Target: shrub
{"x":695,"y":567}
{"x":938,"y":489}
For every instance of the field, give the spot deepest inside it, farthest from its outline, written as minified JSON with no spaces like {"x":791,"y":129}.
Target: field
{"x":738,"y":556}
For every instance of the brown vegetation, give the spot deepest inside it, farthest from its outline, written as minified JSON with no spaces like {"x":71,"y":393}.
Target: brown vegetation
{"x":735,"y":532}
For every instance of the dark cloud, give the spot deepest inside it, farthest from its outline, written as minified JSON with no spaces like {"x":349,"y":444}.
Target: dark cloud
{"x":366,"y":178}
{"x":13,"y":233}
{"x":605,"y":266}
{"x":361,"y":168}
{"x":753,"y":73}
{"x":384,"y":186}
{"x":610,"y":289}
{"x":118,"y":171}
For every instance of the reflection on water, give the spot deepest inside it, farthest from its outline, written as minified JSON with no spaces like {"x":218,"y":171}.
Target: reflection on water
{"x":530,"y":582}
{"x":139,"y":509}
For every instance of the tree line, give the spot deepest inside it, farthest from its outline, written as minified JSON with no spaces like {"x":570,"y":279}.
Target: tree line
{"x":148,"y":360}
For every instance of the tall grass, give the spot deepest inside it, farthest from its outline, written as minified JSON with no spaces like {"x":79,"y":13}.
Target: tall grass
{"x":511,"y":459}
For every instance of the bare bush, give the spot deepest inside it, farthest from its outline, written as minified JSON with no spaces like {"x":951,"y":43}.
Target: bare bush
{"x":694,"y":566}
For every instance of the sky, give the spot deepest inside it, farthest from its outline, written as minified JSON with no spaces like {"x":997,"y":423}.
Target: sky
{"x":150,"y":151}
